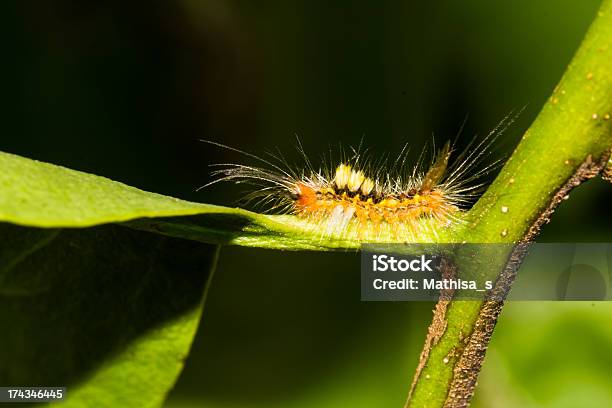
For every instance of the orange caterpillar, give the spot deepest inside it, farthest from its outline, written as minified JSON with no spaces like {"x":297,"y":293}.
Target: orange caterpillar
{"x":369,"y":202}
{"x":350,"y":196}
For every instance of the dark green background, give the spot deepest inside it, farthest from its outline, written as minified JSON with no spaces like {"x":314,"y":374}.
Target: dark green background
{"x":125,"y":89}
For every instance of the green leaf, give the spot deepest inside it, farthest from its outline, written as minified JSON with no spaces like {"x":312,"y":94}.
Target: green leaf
{"x":108,"y":312}
{"x":44,"y":195}
{"x":39,"y":194}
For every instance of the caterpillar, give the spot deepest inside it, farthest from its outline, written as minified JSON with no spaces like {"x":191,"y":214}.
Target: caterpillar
{"x":364,"y":199}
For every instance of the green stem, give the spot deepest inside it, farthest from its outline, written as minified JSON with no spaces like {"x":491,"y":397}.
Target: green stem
{"x":567,"y":143}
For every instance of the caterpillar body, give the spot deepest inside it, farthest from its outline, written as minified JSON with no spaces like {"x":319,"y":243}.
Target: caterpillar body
{"x":356,"y":199}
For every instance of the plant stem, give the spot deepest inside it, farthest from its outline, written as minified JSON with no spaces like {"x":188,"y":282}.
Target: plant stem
{"x":568,"y":143}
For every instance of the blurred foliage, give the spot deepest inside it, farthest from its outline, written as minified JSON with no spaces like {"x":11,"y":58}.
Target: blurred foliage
{"x":123,"y":90}
{"x":108,"y":312}
{"x":549,"y":354}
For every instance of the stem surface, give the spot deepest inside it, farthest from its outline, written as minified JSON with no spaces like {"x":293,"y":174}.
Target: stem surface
{"x":568,"y":143}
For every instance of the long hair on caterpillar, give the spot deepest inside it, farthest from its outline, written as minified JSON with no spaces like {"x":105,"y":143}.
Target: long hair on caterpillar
{"x":367,"y":198}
